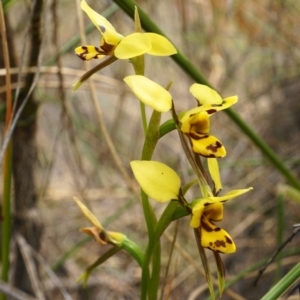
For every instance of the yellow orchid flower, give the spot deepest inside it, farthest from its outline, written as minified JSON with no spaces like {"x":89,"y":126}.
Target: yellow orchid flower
{"x":101,"y":236}
{"x":149,"y":92}
{"x":113,"y":43}
{"x":196,"y":123}
{"x":196,"y":127}
{"x":205,"y":212}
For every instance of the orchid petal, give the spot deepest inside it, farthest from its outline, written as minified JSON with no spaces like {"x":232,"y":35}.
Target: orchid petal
{"x":88,"y":214}
{"x":98,"y":235}
{"x":213,"y":168}
{"x":149,"y":92}
{"x":230,"y":195}
{"x":205,"y":95}
{"x":89,"y":52}
{"x":157,"y":180}
{"x":214,"y":212}
{"x":132,"y":45}
{"x":208,"y":146}
{"x":160,"y":46}
{"x":110,"y":35}
{"x":215,"y":238}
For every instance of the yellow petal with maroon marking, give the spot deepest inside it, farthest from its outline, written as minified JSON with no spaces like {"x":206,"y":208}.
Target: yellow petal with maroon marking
{"x":133,"y":45}
{"x":89,"y":52}
{"x":198,"y":207}
{"x":208,"y":146}
{"x":213,"y":168}
{"x":205,"y":95}
{"x":215,"y":238}
{"x":196,"y":125}
{"x":160,"y":46}
{"x":110,"y":35}
{"x":214,"y":212}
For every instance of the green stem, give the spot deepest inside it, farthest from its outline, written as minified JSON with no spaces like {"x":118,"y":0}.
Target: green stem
{"x":280,"y":232}
{"x":6,"y":216}
{"x":150,"y":284}
{"x":165,"y":219}
{"x":149,"y":217}
{"x":155,"y":247}
{"x":156,"y":265}
{"x":143,"y":116}
{"x":134,"y":250}
{"x":192,"y":71}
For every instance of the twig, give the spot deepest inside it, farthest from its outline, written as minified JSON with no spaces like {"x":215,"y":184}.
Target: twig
{"x":51,"y":274}
{"x":289,"y":239}
{"x":30,"y":266}
{"x":13,"y":292}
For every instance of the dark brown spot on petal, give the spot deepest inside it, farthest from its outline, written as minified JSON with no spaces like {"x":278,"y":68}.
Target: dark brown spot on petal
{"x":228,"y":240}
{"x":217,"y":229}
{"x":102,"y":236}
{"x":219,"y":244}
{"x":206,"y":226}
{"x":207,"y":204}
{"x":107,"y":48}
{"x":211,"y":111}
{"x":198,"y":136}
{"x":210,"y":243}
{"x":102,"y":28}
{"x":214,"y":148}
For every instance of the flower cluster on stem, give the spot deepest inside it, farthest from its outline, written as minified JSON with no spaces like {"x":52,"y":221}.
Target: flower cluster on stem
{"x":157,"y":180}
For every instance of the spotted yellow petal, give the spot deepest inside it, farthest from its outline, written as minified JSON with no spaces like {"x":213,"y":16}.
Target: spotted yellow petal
{"x":149,"y":92}
{"x":214,"y":212}
{"x":183,"y":117}
{"x":227,"y":102}
{"x":215,"y":238}
{"x":157,"y":180}
{"x":160,"y":46}
{"x":89,"y":52}
{"x":88,"y":214}
{"x":198,"y":208}
{"x":110,"y":35}
{"x":205,"y":95}
{"x":132,"y":45}
{"x":213,"y":168}
{"x":208,"y":146}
